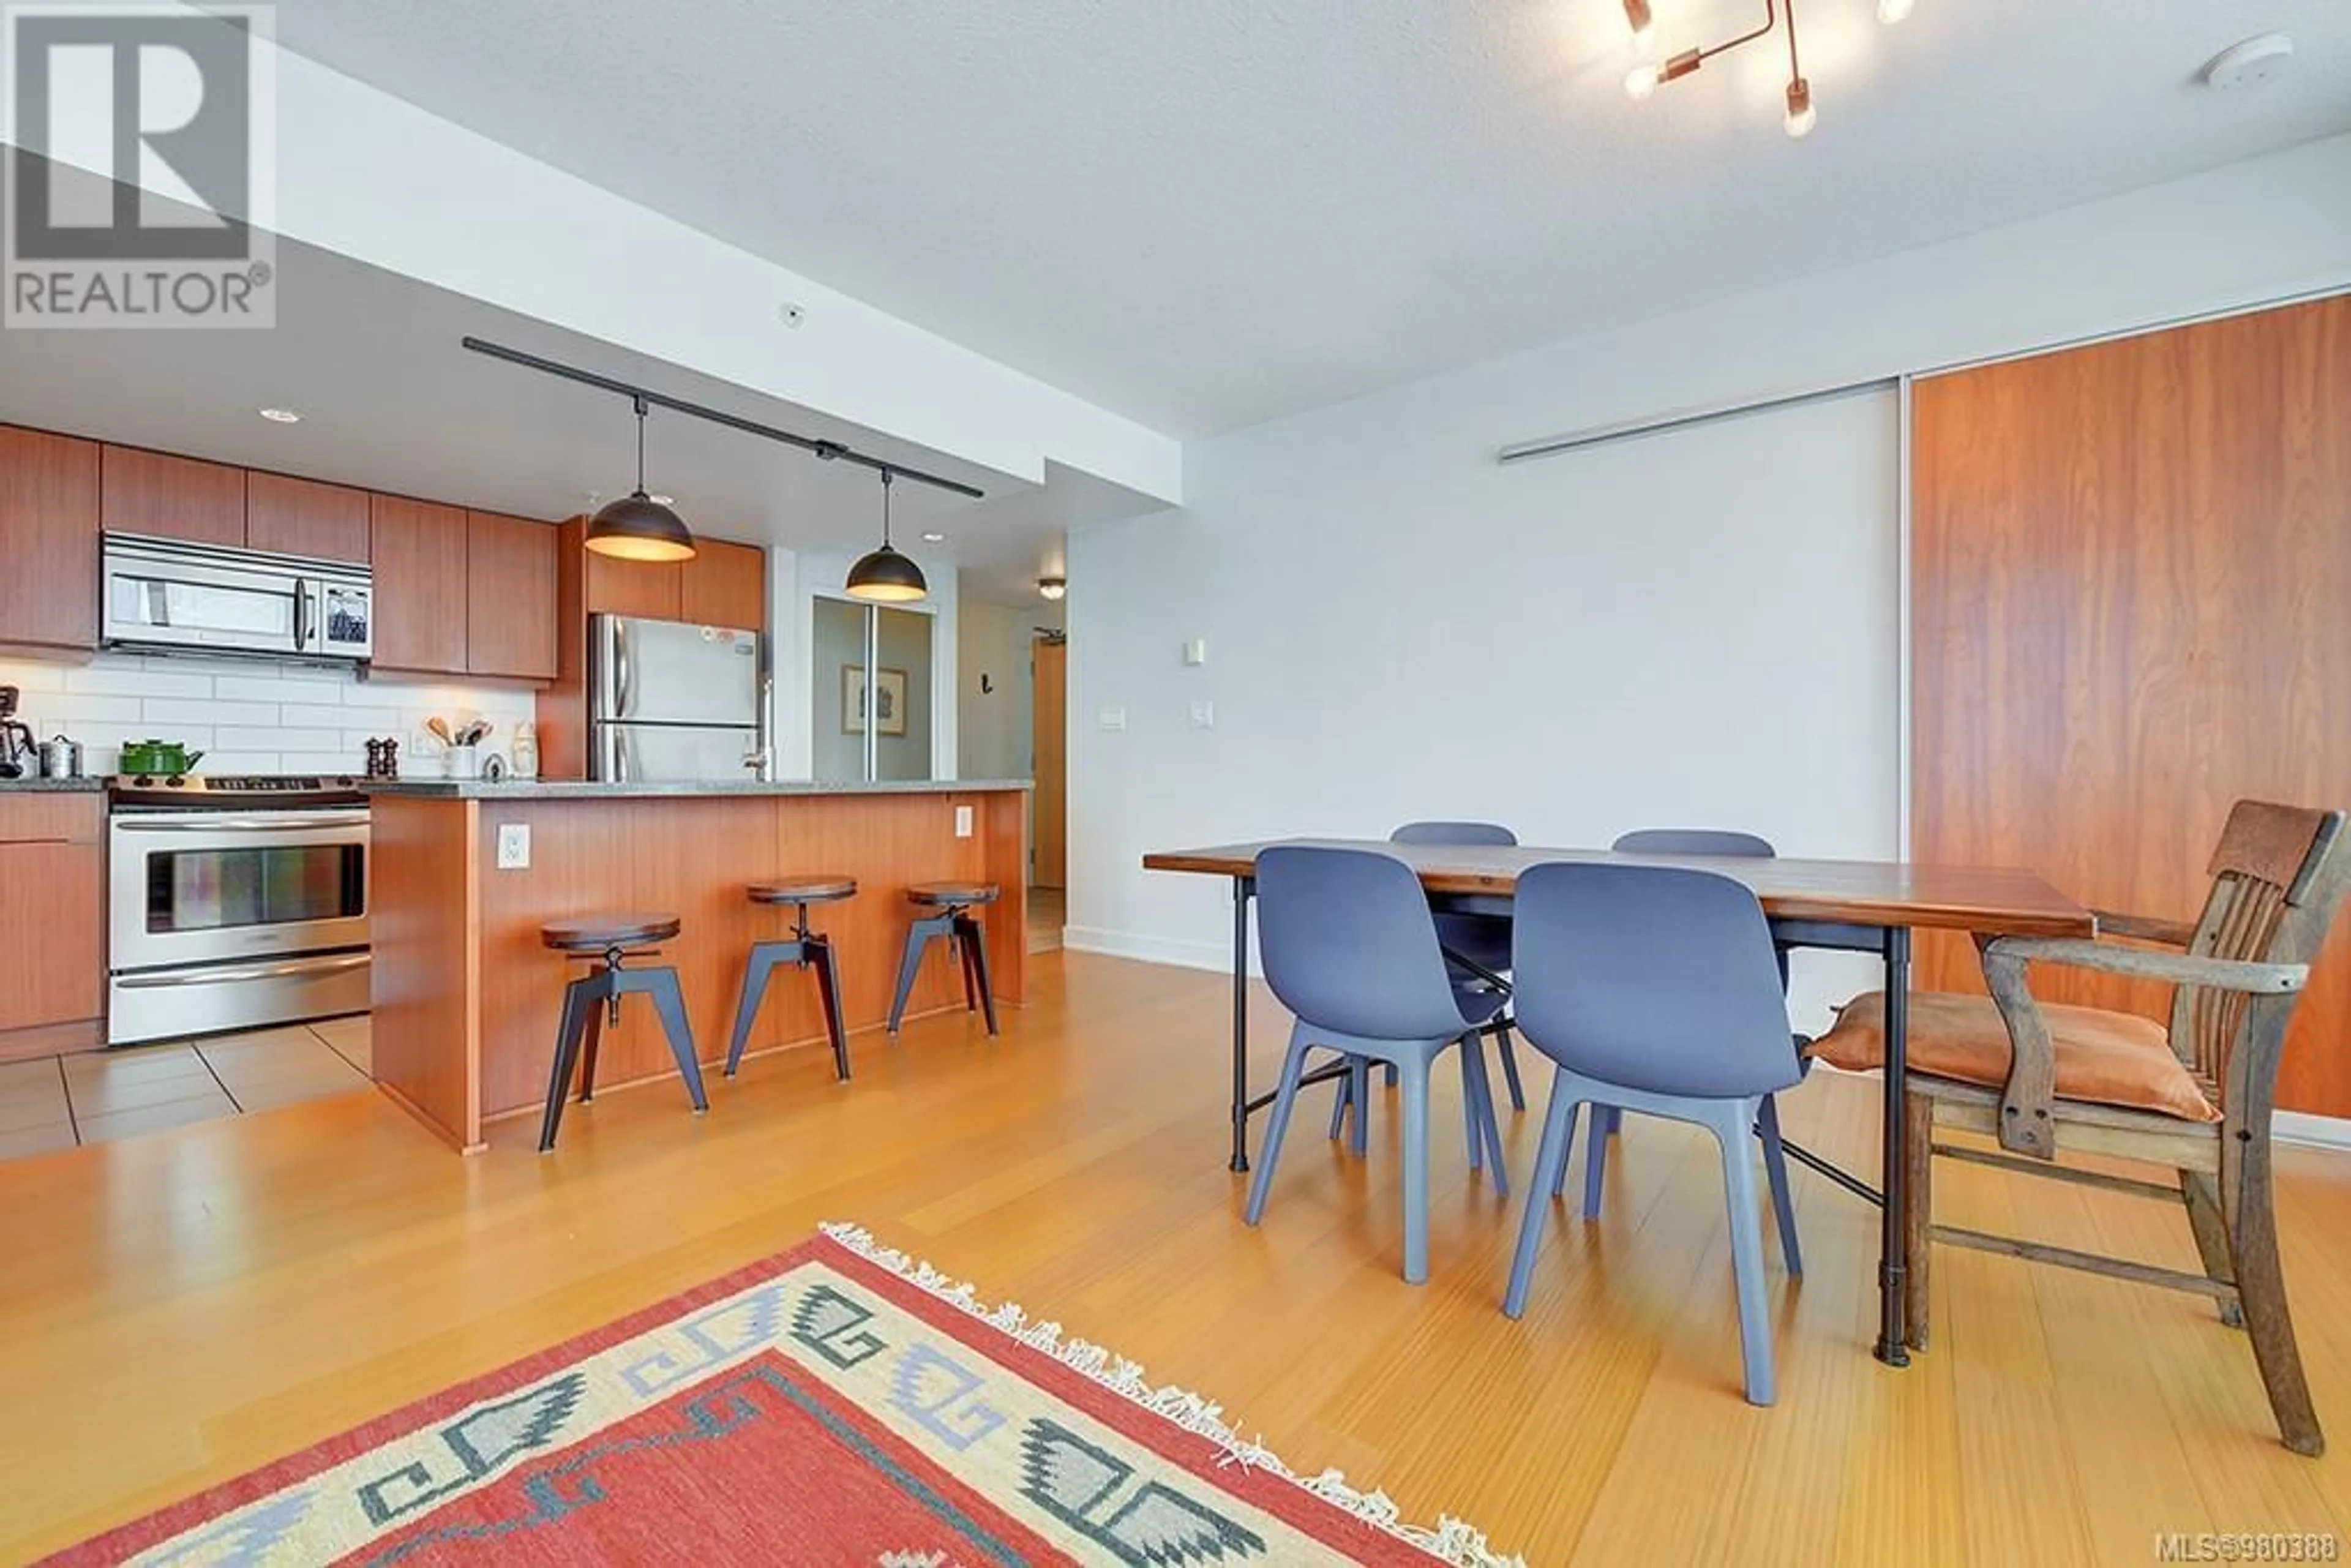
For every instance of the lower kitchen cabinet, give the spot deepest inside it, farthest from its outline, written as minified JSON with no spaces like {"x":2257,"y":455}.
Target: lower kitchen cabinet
{"x":52,"y":924}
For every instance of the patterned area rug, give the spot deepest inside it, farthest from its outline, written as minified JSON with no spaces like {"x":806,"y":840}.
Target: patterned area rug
{"x":837,"y":1405}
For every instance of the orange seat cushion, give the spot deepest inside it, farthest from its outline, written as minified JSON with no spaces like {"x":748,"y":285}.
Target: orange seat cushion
{"x":2111,"y":1059}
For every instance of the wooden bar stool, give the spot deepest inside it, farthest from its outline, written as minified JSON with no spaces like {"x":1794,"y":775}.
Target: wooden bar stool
{"x":607,"y":941}
{"x":806,"y":948}
{"x":954,"y":901}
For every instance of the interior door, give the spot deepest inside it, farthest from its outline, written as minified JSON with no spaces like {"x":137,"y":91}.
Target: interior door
{"x":1050,"y":741}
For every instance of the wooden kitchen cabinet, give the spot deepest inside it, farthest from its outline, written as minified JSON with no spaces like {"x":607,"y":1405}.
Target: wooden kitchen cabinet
{"x":303,"y":517}
{"x":52,"y":924}
{"x":422,"y":600}
{"x":617,"y":587}
{"x":48,"y":519}
{"x":509,"y":597}
{"x":724,"y":585}
{"x":153,"y":493}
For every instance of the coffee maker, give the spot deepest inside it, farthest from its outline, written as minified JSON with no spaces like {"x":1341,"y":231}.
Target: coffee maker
{"x":18,"y":754}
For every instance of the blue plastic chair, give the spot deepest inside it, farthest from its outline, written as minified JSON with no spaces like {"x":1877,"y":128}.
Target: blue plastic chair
{"x":1351,"y":949}
{"x":1653,"y":988}
{"x":1730,"y":845}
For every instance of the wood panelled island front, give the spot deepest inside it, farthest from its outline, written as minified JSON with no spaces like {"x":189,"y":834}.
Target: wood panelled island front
{"x":466,"y":998}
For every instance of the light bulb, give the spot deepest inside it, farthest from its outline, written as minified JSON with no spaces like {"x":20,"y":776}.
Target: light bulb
{"x":1801,"y":115}
{"x":1641,"y":80}
{"x":1892,"y":11}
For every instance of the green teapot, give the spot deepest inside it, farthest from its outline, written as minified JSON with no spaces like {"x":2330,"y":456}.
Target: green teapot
{"x":157,"y":759}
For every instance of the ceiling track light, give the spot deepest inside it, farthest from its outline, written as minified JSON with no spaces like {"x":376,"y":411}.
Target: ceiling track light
{"x":639,"y":527}
{"x":1802,"y":115}
{"x":1053,"y":587}
{"x":886,"y":577}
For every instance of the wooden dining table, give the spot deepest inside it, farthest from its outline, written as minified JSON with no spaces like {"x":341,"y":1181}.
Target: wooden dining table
{"x":1854,"y":906}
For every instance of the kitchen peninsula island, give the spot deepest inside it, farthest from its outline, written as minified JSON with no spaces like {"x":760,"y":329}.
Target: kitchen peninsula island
{"x":466,"y":998}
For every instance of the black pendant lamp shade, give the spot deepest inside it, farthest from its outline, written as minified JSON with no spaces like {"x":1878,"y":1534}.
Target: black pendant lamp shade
{"x":636,"y":526}
{"x":885,"y":577}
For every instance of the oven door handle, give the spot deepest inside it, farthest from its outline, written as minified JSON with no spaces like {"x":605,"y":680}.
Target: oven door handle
{"x":299,"y":968}
{"x":277,"y":822}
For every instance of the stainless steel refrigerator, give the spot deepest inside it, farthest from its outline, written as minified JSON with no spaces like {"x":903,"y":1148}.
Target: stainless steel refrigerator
{"x":669,"y":703}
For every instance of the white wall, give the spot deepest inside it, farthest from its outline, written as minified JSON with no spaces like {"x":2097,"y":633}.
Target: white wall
{"x":1699,"y":627}
{"x":994,"y":730}
{"x":250,"y":716}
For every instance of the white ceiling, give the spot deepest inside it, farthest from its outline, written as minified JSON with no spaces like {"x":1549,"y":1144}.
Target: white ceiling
{"x":1207,"y":213}
{"x":389,"y":400}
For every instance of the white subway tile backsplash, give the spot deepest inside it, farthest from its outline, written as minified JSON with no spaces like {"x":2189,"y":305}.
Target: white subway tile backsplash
{"x":242,"y":737}
{"x":279,"y":689}
{"x":137,"y":681}
{"x":185,"y":710}
{"x":263,"y":718}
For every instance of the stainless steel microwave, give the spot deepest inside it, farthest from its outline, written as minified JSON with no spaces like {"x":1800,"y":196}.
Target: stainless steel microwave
{"x":170,"y":594}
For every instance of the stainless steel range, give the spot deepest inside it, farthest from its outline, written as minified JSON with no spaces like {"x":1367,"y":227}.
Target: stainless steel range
{"x":233,"y":903}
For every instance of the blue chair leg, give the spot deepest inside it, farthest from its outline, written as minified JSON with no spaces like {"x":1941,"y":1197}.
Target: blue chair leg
{"x":1551,"y":1165}
{"x":1485,"y":1129}
{"x":1509,"y":1063}
{"x":1595,"y":1157}
{"x":765,"y":956}
{"x":1775,"y":1171}
{"x":1359,"y":1097}
{"x":1473,"y":1127}
{"x":1277,"y":1125}
{"x":1341,"y":1097}
{"x":1414,"y":1074}
{"x":1731,"y":1124}
{"x":1604,"y":1120}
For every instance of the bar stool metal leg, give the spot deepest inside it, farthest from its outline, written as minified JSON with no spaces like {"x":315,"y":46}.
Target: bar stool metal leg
{"x":968,"y":932}
{"x":828,"y":986}
{"x":910,"y":966}
{"x":765,"y":956}
{"x":591,"y":1023}
{"x":559,"y":1078}
{"x":661,"y":985}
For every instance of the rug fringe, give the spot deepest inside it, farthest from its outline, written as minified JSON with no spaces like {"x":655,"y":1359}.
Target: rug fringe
{"x":1453,"y":1542}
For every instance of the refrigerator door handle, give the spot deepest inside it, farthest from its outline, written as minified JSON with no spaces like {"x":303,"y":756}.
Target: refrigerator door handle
{"x":624,"y":677}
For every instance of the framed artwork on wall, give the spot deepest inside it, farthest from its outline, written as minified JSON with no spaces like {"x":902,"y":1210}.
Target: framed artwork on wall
{"x":889,"y":705}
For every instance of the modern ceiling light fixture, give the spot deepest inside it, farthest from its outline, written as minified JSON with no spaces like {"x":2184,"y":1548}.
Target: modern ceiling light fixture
{"x":886,"y":577}
{"x":280,"y":416}
{"x":1802,"y":115}
{"x":637,"y":527}
{"x":1053,"y":587}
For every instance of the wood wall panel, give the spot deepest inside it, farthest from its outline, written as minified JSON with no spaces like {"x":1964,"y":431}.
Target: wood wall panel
{"x":693,"y":857}
{"x":49,"y":521}
{"x":2131,"y":603}
{"x":303,"y":517}
{"x":724,"y":585}
{"x":154,"y":492}
{"x":648,"y":588}
{"x":423,"y":920}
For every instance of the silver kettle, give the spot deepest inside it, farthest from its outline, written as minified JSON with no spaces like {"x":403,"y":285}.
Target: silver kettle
{"x":60,"y":758}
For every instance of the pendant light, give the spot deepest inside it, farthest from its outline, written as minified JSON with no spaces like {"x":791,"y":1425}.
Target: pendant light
{"x":885,"y":577}
{"x":636,"y":526}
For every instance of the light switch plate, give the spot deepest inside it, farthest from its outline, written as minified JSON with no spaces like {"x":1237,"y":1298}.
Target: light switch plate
{"x":514,"y":846}
{"x":1204,"y":715}
{"x":1113,"y":717}
{"x":963,"y":821}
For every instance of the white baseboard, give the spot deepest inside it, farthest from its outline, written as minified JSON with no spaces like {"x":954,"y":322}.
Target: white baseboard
{"x":2318,"y":1132}
{"x":1184,"y":955}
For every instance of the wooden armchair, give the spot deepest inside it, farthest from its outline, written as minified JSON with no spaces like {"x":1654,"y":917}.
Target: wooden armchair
{"x":2278,"y":875}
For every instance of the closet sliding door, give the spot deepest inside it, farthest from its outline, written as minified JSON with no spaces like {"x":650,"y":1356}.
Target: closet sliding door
{"x":2131,"y":605}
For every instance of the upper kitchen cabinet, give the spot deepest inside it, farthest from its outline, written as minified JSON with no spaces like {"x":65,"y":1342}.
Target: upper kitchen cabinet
{"x":422,"y":599}
{"x":651,"y":588}
{"x":302,"y":517}
{"x":724,"y":585}
{"x":170,"y":497}
{"x":509,"y":597}
{"x":48,"y":519}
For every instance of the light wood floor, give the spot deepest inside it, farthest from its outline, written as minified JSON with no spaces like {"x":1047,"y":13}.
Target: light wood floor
{"x":176,"y":1308}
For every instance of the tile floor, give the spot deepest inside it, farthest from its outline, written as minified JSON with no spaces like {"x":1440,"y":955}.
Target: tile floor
{"x":59,"y":1101}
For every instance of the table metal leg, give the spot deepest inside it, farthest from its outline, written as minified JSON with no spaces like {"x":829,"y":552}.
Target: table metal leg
{"x":1893,"y":1253}
{"x":1243,"y":888}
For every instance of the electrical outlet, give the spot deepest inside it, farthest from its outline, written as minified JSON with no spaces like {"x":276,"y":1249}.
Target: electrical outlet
{"x":963,"y":821}
{"x":514,"y":846}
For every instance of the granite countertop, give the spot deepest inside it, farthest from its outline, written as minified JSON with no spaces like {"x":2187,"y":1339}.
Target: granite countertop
{"x":595,"y":790}
{"x":51,"y":786}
